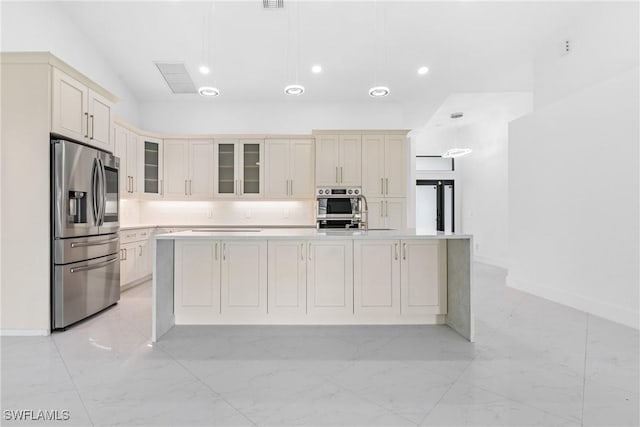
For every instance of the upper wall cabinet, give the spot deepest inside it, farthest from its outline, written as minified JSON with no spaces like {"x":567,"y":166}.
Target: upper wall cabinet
{"x":188,"y":167}
{"x":152,"y":167}
{"x":80,"y":113}
{"x":289,"y":169}
{"x":383,"y":165}
{"x":239,"y":168}
{"x":126,"y":147}
{"x":338,"y":160}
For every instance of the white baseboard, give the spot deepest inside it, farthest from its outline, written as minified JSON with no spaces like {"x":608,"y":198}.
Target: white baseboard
{"x":598,"y":308}
{"x":491,"y":261}
{"x":24,"y":332}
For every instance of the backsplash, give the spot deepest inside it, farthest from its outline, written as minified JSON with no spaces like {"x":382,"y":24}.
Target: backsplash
{"x":222,"y":212}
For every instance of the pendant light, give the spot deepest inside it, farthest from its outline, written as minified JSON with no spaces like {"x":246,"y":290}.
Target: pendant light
{"x":377,"y":91}
{"x":295,"y":89}
{"x":207,"y":91}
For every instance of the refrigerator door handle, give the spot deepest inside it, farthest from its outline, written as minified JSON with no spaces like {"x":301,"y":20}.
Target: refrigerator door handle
{"x":103,"y":189}
{"x":94,"y":266}
{"x":94,"y":190}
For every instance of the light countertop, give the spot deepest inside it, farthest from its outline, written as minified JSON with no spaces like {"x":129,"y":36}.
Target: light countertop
{"x":214,"y":233}
{"x":243,"y":226}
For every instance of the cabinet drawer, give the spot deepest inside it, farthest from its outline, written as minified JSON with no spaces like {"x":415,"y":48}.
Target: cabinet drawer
{"x":128,"y":236}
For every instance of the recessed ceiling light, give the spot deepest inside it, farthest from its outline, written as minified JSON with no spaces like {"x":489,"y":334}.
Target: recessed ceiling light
{"x":204,"y":69}
{"x":208,"y":91}
{"x":316,"y":69}
{"x":294,"y":90}
{"x":379,"y":91}
{"x":456,"y":152}
{"x":423,"y":70}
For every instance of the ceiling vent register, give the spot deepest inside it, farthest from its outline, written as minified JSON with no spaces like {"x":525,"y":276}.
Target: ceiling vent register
{"x":177,"y":77}
{"x":273,"y":4}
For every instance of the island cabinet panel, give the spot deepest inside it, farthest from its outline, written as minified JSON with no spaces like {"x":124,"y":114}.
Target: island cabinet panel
{"x":423,"y":275}
{"x":330,"y":277}
{"x":287,"y":284}
{"x":197,"y":282}
{"x":376,"y":275}
{"x":244,"y":278}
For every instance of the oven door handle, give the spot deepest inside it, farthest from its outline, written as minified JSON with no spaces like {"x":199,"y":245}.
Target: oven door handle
{"x":94,"y":266}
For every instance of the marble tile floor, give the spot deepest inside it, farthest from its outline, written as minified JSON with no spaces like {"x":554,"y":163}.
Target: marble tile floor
{"x":534,"y":363}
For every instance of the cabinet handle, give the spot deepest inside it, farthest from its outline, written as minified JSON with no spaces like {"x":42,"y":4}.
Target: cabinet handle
{"x":125,"y":253}
{"x":381,"y":213}
{"x":387,"y":181}
{"x":185,"y":187}
{"x":235,"y":187}
{"x":216,"y":251}
{"x":190,"y":189}
{"x":341,"y":175}
{"x":301,"y":251}
{"x":404,"y":251}
{"x":93,"y":126}
{"x":291,"y":192}
{"x":336,"y":174}
{"x":381,"y":185}
{"x":86,"y":115}
{"x":396,"y":250}
{"x":309,"y":254}
{"x":240,"y":188}
{"x":140,"y":246}
{"x":160,"y":192}
{"x":131,"y":185}
{"x":224,"y":251}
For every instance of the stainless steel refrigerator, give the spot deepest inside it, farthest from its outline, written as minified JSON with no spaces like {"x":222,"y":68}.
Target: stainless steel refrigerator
{"x":434,"y":205}
{"x":85,"y":242}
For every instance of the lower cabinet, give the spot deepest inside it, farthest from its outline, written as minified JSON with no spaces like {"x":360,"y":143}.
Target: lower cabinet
{"x":330,"y":277}
{"x":423,"y":277}
{"x":287,"y":278}
{"x":196,"y":281}
{"x":244,"y":277}
{"x":136,"y":253}
{"x":310,"y":281}
{"x":376,"y":277}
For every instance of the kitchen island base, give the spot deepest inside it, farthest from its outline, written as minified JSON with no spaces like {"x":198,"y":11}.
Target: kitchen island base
{"x":310,"y":277}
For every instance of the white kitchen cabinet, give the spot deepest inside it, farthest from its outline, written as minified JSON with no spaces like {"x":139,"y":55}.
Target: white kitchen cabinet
{"x":386,"y":213}
{"x":289,"y":169}
{"x":287,"y":278}
{"x":423,"y":273}
{"x":127,"y":149}
{"x":330,"y":278}
{"x":80,"y":113}
{"x":383,"y":165}
{"x":339,"y":160}
{"x":239,"y":168}
{"x":188,"y":169}
{"x":152,"y":167}
{"x":244,"y":278}
{"x":135,"y":256}
{"x":376,"y":277}
{"x":197,"y":281}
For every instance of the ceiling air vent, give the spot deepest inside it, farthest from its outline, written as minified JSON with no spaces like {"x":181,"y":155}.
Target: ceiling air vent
{"x":177,"y":77}
{"x":273,"y":4}
{"x":456,"y":115}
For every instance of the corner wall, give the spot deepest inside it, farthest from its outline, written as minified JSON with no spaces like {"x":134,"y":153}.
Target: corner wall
{"x":574,"y":200}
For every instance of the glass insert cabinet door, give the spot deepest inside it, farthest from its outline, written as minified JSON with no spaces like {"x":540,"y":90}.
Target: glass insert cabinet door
{"x":227,"y":181}
{"x":152,"y":169}
{"x":251,"y":169}
{"x":239,"y":165}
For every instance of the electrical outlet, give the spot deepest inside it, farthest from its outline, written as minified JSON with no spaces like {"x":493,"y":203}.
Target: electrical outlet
{"x":247,"y":214}
{"x":285,"y":213}
{"x":210,"y":213}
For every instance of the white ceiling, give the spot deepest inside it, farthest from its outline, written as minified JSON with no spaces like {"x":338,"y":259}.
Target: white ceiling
{"x":468,"y":46}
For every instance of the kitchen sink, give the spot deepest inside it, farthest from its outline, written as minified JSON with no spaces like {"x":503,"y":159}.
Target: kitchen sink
{"x":225,"y":230}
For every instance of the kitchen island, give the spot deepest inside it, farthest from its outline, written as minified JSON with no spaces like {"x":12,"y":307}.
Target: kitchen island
{"x":307,"y":276}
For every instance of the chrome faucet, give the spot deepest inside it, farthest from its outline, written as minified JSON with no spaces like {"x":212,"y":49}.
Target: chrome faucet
{"x":365,"y":213}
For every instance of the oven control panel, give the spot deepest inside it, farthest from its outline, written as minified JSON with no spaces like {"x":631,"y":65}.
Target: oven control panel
{"x":338,"y":192}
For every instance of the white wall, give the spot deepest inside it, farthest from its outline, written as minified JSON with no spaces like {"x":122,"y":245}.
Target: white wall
{"x":44,"y":26}
{"x":212,"y":116}
{"x":482,"y":176}
{"x":574,"y":200}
